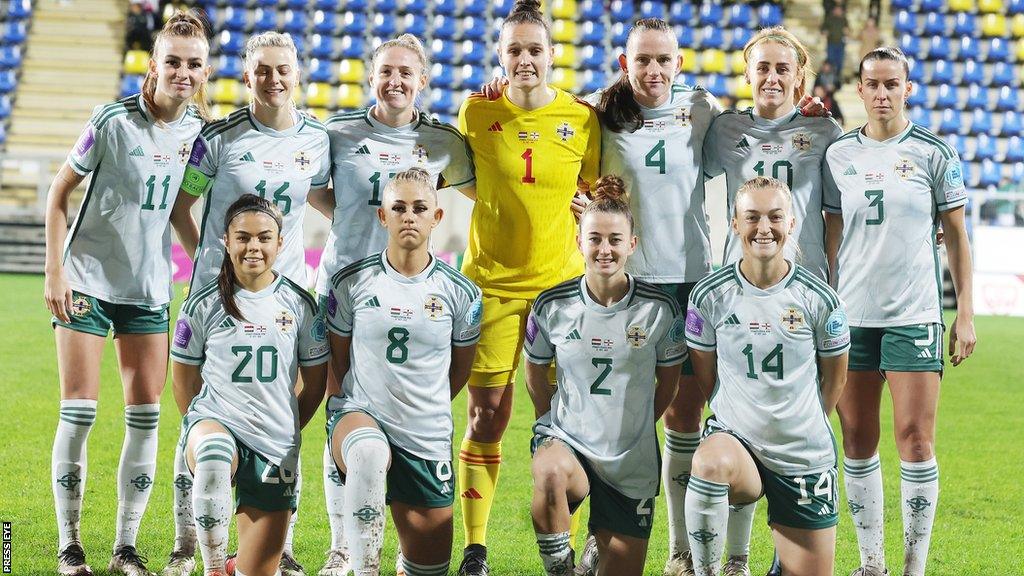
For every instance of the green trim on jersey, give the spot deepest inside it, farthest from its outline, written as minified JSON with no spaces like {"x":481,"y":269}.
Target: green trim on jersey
{"x":81,"y":215}
{"x":306,"y":296}
{"x":568,"y":289}
{"x":924,"y":135}
{"x":312,"y":123}
{"x":460,"y":280}
{"x":198,"y":296}
{"x":651,"y":292}
{"x":425,"y":120}
{"x":346,"y":116}
{"x":368,"y":262}
{"x":709,"y":283}
{"x":817,"y":285}
{"x":126,"y":105}
{"x":218,"y":127}
{"x":202,"y":232}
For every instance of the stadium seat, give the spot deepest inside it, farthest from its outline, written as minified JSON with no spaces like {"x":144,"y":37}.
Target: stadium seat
{"x":965,"y":24}
{"x":15,"y":32}
{"x":329,"y":5}
{"x":5,"y":107}
{"x":386,"y":6}
{"x":972,"y":73}
{"x":687,"y":79}
{"x":443,"y":101}
{"x":351,"y":71}
{"x":968,"y":49}
{"x":476,"y":8}
{"x":981,"y":122}
{"x":475,"y":28}
{"x":562,"y":8}
{"x":938,"y":48}
{"x":325,"y":23}
{"x":621,"y":11}
{"x":769,"y":14}
{"x":321,"y":46}
{"x":1018,"y":52}
{"x":958,"y":143}
{"x":593,"y":80}
{"x":445,"y":27}
{"x":295,"y":22}
{"x":739,"y":15}
{"x":442,"y":51}
{"x":737,"y":63}
{"x":131,"y":84}
{"x":717,"y":85}
{"x":977,"y":97}
{"x":927,"y":6}
{"x":741,"y":89}
{"x":10,"y":57}
{"x":990,"y":174}
{"x":297,"y":5}
{"x":969,"y":172}
{"x":651,"y":9}
{"x":739,"y":38}
{"x":905,"y":23}
{"x":711,"y":14}
{"x":352,"y":47}
{"x":321,"y":71}
{"x":442,"y":76}
{"x":1010,"y":124}
{"x":1015,"y":7}
{"x":945,"y":97}
{"x":300,"y":43}
{"x":991,"y":7}
{"x":712,"y":37}
{"x":918,"y":96}
{"x":136,"y":62}
{"x":218,"y":111}
{"x":264,"y":20}
{"x":950,"y":123}
{"x":418,"y":6}
{"x":690,"y":63}
{"x":415,"y":24}
{"x":565,"y":55}
{"x":474,"y":52}
{"x":910,"y":45}
{"x":563,"y":31}
{"x":934,"y":23}
{"x":942,"y":73}
{"x":686,"y":36}
{"x":235,"y":18}
{"x":319,"y":95}
{"x":227,"y":91}
{"x":1014,"y":150}
{"x":473,"y":77}
{"x":712,"y":61}
{"x":902,"y":4}
{"x":350,"y":96}
{"x":353,"y":24}
{"x":592,"y":32}
{"x":985,"y":148}
{"x":1017,"y":173}
{"x":1017,"y":26}
{"x":231,"y":42}
{"x":593,"y":57}
{"x":919,"y":115}
{"x":997,"y":50}
{"x":448,"y":7}
{"x":564,"y":78}
{"x":1009,"y":99}
{"x":3,"y":134}
{"x":961,"y":5}
{"x":993,"y":25}
{"x":385,"y":25}
{"x":681,"y":13}
{"x":917,"y":69}
{"x":619,"y":33}
{"x":228,"y":66}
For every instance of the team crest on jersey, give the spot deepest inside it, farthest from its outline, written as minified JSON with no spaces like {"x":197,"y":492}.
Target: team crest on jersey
{"x":302,"y":161}
{"x":399,"y":313}
{"x":420,"y":152}
{"x":792,"y":319}
{"x":161,"y":159}
{"x":874,"y":177}
{"x":183,"y":151}
{"x":433,"y":308}
{"x":636,"y":336}
{"x":771,"y":149}
{"x":284,"y":321}
{"x":904,"y":168}
{"x":254,"y":330}
{"x":565,"y":131}
{"x":601,"y":344}
{"x":760,"y":328}
{"x":802,"y":141}
{"x":655,"y":125}
{"x":529,"y":137}
{"x":80,"y":307}
{"x":683,"y":116}
{"x":273,"y":166}
{"x":389,"y":159}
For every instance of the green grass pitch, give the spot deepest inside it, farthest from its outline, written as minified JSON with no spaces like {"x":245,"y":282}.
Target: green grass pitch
{"x":978,"y":530}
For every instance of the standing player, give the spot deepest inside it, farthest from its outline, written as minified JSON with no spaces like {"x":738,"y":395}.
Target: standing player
{"x":537,"y":143}
{"x":404,"y":330}
{"x":773,"y":139}
{"x":886,"y":187}
{"x":242,"y":339}
{"x":769,"y":342}
{"x":268,"y":149}
{"x":114,"y":271}
{"x":612,"y":337}
{"x":368,"y":147}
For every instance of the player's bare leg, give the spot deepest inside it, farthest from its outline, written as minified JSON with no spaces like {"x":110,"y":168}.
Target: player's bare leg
{"x":558,"y":481}
{"x":425,"y":539}
{"x":261,"y":537}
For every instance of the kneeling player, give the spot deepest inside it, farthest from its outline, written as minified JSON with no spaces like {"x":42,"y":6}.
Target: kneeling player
{"x":778,"y":372}
{"x":404,"y":330}
{"x":619,"y":345}
{"x":241,"y":339}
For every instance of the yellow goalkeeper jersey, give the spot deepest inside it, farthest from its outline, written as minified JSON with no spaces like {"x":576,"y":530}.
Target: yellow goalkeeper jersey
{"x":522,"y":237}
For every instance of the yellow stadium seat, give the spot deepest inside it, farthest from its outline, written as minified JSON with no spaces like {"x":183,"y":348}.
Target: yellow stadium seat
{"x":993,"y":25}
{"x":740,"y":89}
{"x":961,"y":5}
{"x":565,"y":55}
{"x":320,"y":113}
{"x":712,"y":61}
{"x":218,"y":111}
{"x":227,"y":91}
{"x":1019,"y":52}
{"x":136,"y":62}
{"x":564,"y":31}
{"x":1017,"y":26}
{"x":689,"y":59}
{"x":352,"y":71}
{"x":737,"y":63}
{"x":318,"y":95}
{"x":350,"y":96}
{"x":563,"y":9}
{"x":744,"y":104}
{"x":564,"y":78}
{"x":991,"y":7}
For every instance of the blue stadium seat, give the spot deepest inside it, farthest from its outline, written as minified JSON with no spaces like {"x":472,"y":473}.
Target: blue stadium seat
{"x":325,"y":22}
{"x":938,"y":48}
{"x":265,"y":20}
{"x":475,"y":28}
{"x":1003,"y":74}
{"x":415,"y":6}
{"x":442,"y":51}
{"x":501,"y":7}
{"x":593,"y":57}
{"x":474,"y":52}
{"x":958,"y":143}
{"x":905,"y":23}
{"x":990,"y":174}
{"x":443,"y":101}
{"x":231,"y":42}
{"x":916,"y":71}
{"x":589,"y":10}
{"x":932,"y":6}
{"x":1014,"y":150}
{"x":594,"y":80}
{"x":739,"y":15}
{"x":235,"y":19}
{"x":15,"y":32}
{"x":8,"y":81}
{"x":769,"y":14}
{"x":415,"y":24}
{"x":321,"y":71}
{"x":385,"y":6}
{"x":1010,"y":124}
{"x":711,"y":14}
{"x":687,"y":80}
{"x":973,"y":73}
{"x":445,"y":27}
{"x":1015,"y":7}
{"x":229,"y":66}
{"x":1017,"y":173}
{"x":969,"y":172}
{"x":478,"y":8}
{"x":919,"y":97}
{"x":653,"y":9}
{"x":299,"y":5}
{"x":622,"y":11}
{"x":296,"y":22}
{"x":10,"y":57}
{"x":353,"y":23}
{"x":3,"y":133}
{"x":965,"y":24}
{"x":330,"y":5}
{"x":321,"y":46}
{"x":680,"y":13}
{"x":981,"y":122}
{"x":942,"y":73}
{"x":934,"y":23}
{"x":911,"y":45}
{"x":711,"y":37}
{"x":620,"y":31}
{"x":968,"y":49}
{"x":300,"y":43}
{"x":739,"y":38}
{"x":473,"y":77}
{"x":19,"y":9}
{"x":5,"y":107}
{"x":977,"y":97}
{"x":686,"y":36}
{"x":950,"y":123}
{"x":266,"y":3}
{"x":352,"y":47}
{"x":131,"y":84}
{"x":1009,"y":99}
{"x":902,"y":4}
{"x":385,"y":25}
{"x":985,"y":147}
{"x":442,"y":75}
{"x":945,"y":97}
{"x":717,"y":85}
{"x":997,"y":50}
{"x":592,"y":32}
{"x":448,"y":7}
{"x":919,"y":115}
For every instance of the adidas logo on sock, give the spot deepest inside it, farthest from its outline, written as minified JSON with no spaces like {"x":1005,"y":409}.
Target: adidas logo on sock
{"x":850,"y":171}
{"x":364,"y":149}
{"x":574,"y":335}
{"x":472,"y":494}
{"x":137,"y":151}
{"x":496,"y":127}
{"x":247,"y":157}
{"x":732,"y":320}
{"x":743,"y":143}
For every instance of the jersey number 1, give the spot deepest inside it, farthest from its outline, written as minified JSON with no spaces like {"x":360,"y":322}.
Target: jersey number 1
{"x":150,"y":185}
{"x":528,"y":175}
{"x":283,"y":201}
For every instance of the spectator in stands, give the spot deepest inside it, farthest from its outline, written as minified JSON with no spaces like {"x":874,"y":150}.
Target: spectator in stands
{"x":139,"y":27}
{"x":827,"y":97}
{"x":870,"y":36}
{"x":828,"y":77}
{"x":836,"y":29}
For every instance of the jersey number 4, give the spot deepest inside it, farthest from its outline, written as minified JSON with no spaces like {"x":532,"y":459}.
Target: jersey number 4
{"x":770,"y":364}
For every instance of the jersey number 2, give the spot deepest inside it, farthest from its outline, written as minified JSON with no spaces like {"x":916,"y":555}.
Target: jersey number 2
{"x":605,"y":364}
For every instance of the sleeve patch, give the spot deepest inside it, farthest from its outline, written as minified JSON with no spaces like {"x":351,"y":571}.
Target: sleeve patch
{"x":85,"y":141}
{"x":954,"y":178}
{"x":836,"y":324}
{"x":319,"y":329}
{"x":531,"y":328}
{"x":198,"y":152}
{"x":476,"y":312}
{"x":837,"y":342}
{"x":195,"y":182}
{"x":678,"y":332}
{"x":182,"y":333}
{"x":694,"y":323}
{"x":332,"y":303}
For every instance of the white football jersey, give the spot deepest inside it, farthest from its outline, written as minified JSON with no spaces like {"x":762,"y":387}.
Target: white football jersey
{"x":249,"y":367}
{"x":768,"y":342}
{"x":605,"y":359}
{"x":366,"y":154}
{"x":238,"y":155}
{"x":119,"y":247}
{"x":742,"y":145}
{"x":402,"y":332}
{"x":890,"y":195}
{"x":661,"y":166}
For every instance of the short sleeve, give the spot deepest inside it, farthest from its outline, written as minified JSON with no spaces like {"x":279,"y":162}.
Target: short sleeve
{"x":671,"y":349}
{"x":590,"y":169}
{"x":313,"y":347}
{"x":831,"y":328}
{"x":90,"y":147}
{"x":947,"y":180}
{"x":202,"y":166}
{"x":466,"y":320}
{"x":459,"y":171}
{"x":831,"y":197}
{"x":715,"y":105}
{"x":711,"y":162}
{"x":323,"y":173}
{"x":538,"y":346}
{"x":339,"y":309}
{"x":189,"y":343}
{"x":700,"y":330}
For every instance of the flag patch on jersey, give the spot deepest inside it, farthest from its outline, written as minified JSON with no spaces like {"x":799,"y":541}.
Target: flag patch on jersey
{"x":85,"y":141}
{"x":302,"y":161}
{"x":743,"y":143}
{"x":636,"y":336}
{"x":364,"y":149}
{"x":802,"y":141}
{"x":792,"y":319}
{"x":284,"y":321}
{"x":694,"y":323}
{"x":565,"y":131}
{"x":182,"y":333}
{"x":874,"y":177}
{"x":904,"y":168}
{"x":732,"y":320}
{"x":273,"y":167}
{"x":601,"y":344}
{"x":525,"y":136}
{"x":399,"y":313}
{"x":760,"y":328}
{"x":655,"y":125}
{"x":254,"y":330}
{"x":433,"y":308}
{"x":771,"y":149}
{"x":389,"y":159}
{"x":161,"y":159}
{"x":574,"y":335}
{"x":850,"y":171}
{"x":137,"y":152}
{"x":496,"y":127}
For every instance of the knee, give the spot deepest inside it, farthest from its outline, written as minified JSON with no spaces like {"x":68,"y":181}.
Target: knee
{"x":365,"y":449}
{"x":549,"y":480}
{"x":488,"y":419}
{"x":715,"y":467}
{"x":915,"y":444}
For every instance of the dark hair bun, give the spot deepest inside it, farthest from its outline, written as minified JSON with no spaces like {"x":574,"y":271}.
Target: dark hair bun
{"x":609,"y":187}
{"x":526,"y":6}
